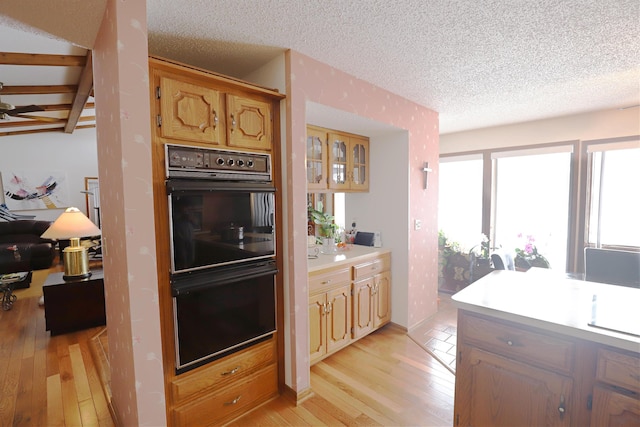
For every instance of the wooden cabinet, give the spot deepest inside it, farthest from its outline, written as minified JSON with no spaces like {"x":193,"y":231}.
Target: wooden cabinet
{"x":189,"y":112}
{"x":248,"y":123}
{"x":195,"y":107}
{"x":616,"y":400}
{"x":329,"y":321}
{"x":316,"y":159}
{"x":348,"y":302}
{"x":221,"y":391}
{"x":511,"y":374}
{"x":348,"y":158}
{"x":336,"y":161}
{"x":372,"y":295}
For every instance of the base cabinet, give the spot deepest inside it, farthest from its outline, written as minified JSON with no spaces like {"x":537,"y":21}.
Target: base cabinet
{"x":329,"y":321}
{"x":348,"y":302}
{"x":225,"y":389}
{"x":511,"y":374}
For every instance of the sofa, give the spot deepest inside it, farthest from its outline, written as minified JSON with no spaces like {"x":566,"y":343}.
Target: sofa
{"x":22,"y":248}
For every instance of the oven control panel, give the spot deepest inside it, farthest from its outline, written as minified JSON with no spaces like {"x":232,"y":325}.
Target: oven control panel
{"x":183,"y":161}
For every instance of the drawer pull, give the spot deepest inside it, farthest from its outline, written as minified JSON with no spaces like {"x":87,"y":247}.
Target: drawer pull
{"x":231,"y":372}
{"x":561,"y":408}
{"x":326,"y":282}
{"x":510,"y":342}
{"x":233,"y":402}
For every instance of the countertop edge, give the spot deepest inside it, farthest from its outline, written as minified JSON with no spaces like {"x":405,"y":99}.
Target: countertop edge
{"x":352,"y":255}
{"x":468,"y":300}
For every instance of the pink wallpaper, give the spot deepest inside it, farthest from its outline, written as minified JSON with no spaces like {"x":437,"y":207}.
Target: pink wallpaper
{"x":310,"y":80}
{"x":124,"y":163}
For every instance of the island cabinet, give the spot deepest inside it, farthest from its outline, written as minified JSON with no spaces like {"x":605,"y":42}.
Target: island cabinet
{"x":537,"y":348}
{"x":616,"y":397}
{"x":195,"y":106}
{"x":346,"y":302}
{"x":336,"y":161}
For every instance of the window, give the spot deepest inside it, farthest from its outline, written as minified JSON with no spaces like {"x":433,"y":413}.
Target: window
{"x":532,"y":194}
{"x":614,"y":206}
{"x":460,"y":199}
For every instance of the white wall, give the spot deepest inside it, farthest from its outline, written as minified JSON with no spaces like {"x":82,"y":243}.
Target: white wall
{"x":587,"y":126}
{"x":385,"y":208}
{"x":75,"y":154}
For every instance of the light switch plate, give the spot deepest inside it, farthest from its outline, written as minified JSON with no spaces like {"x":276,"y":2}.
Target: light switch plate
{"x":417,"y":224}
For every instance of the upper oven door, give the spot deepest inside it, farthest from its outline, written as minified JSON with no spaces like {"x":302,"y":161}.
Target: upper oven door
{"x":219,"y":223}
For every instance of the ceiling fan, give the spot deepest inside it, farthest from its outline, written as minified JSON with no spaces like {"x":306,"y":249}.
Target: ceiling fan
{"x":7,"y":109}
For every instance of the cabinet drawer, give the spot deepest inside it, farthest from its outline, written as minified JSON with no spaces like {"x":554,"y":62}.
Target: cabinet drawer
{"x":619,"y":369}
{"x":223,"y":371}
{"x":372,"y":267}
{"x":232,"y":401}
{"x":328,"y":279}
{"x":538,"y":349}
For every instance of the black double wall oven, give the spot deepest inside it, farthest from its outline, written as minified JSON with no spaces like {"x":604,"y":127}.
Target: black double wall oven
{"x":222,"y":243}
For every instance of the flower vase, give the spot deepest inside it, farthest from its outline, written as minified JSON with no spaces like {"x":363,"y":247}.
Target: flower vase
{"x":328,"y":246}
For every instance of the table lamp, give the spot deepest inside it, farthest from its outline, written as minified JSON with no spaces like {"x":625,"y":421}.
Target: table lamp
{"x":73,"y":225}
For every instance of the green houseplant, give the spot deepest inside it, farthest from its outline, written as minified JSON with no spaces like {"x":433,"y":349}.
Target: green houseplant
{"x":325,"y":221}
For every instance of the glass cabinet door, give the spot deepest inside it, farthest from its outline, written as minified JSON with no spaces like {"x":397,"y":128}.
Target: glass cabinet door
{"x":316,"y":159}
{"x":359,"y":150}
{"x":338,"y":162}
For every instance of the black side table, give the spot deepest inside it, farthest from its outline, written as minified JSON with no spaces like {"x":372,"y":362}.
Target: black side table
{"x":72,"y":305}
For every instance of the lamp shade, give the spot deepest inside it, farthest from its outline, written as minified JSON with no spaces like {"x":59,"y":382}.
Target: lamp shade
{"x":72,"y":223}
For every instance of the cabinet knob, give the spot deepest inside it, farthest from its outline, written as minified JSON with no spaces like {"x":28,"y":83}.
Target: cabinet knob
{"x":233,"y":123}
{"x":233,"y":402}
{"x":509,"y":343}
{"x":215,"y":120}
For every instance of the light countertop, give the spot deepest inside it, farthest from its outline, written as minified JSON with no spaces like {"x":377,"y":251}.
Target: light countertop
{"x":350,"y":254}
{"x":549,"y":301}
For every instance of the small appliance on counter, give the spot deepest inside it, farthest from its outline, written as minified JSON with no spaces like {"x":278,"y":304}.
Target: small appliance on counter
{"x":364,"y":238}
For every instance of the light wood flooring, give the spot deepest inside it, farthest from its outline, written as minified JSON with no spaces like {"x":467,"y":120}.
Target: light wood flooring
{"x":384,"y":379}
{"x":45,"y":380}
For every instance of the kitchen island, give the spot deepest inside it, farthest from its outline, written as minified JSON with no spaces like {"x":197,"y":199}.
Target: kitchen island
{"x":349,"y":297}
{"x":540,"y":349}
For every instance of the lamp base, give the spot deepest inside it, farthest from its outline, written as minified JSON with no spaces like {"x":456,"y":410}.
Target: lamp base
{"x":76,"y":261}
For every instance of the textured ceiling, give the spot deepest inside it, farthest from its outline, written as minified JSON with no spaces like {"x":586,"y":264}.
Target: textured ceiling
{"x":478,"y":63}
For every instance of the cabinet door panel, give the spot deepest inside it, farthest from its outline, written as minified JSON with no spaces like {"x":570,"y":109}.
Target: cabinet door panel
{"x":358,"y":166}
{"x":496,"y":391}
{"x":382,"y":304}
{"x":317,"y":326}
{"x":339,"y":318}
{"x":190,"y":112}
{"x":614,"y":409}
{"x":338,"y":167}
{"x":316,"y":160}
{"x":362,"y":307}
{"x":248,"y":123}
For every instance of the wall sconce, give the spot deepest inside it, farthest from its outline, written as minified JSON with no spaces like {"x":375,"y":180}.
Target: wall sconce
{"x":73,"y":225}
{"x":426,"y":169}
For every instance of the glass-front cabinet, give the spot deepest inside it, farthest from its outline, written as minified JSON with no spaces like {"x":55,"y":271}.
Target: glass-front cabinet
{"x":316,"y":159}
{"x":348,"y":162}
{"x":336,"y":161}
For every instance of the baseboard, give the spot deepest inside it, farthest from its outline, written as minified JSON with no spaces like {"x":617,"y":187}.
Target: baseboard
{"x":297,"y":397}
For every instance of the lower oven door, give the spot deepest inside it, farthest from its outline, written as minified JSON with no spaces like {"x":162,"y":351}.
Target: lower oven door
{"x":219,"y":312}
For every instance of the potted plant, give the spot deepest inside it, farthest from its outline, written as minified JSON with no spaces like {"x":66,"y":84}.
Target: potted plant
{"x":528,"y":256}
{"x":327,"y":227}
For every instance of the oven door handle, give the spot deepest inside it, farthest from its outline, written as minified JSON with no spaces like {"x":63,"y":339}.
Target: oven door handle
{"x":182,"y":284}
{"x":194,"y":185}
